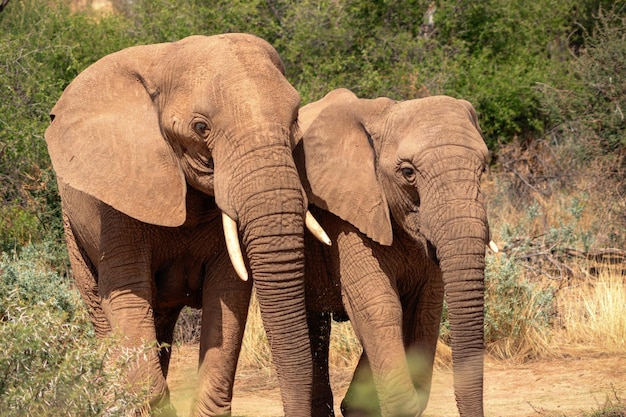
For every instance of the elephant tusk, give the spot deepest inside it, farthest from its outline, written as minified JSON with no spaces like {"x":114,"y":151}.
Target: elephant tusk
{"x":232,"y":245}
{"x":493,"y":246}
{"x":315,"y":228}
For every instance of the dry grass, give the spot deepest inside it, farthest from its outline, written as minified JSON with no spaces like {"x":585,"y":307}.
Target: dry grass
{"x":255,"y":351}
{"x":592,"y":314}
{"x":345,"y":348}
{"x":550,"y":213}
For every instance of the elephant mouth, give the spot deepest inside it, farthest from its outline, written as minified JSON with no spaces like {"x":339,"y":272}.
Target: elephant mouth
{"x":233,"y":246}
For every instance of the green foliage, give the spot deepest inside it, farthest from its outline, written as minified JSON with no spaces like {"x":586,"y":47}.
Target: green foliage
{"x":513,"y":305}
{"x":35,"y":276}
{"x":593,"y":108}
{"x":516,"y":309}
{"x":165,"y":21}
{"x":508,"y":47}
{"x":51,"y":362}
{"x":494,"y":53}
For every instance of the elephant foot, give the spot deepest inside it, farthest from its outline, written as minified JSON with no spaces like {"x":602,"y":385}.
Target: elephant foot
{"x":166,"y":411}
{"x":352,"y":408}
{"x":357,"y":412}
{"x":373,"y":410}
{"x":147,"y":411}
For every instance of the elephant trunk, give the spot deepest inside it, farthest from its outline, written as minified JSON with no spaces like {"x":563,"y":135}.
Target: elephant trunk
{"x":271,"y":204}
{"x":461,"y":252}
{"x":277,"y":265}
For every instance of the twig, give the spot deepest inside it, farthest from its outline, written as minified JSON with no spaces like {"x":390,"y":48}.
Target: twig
{"x":518,"y":175}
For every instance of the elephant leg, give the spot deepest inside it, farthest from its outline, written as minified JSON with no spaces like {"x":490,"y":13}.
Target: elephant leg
{"x":164,"y":323}
{"x":85,"y":280}
{"x":422,"y":318}
{"x":132,"y":320}
{"x":319,"y":333}
{"x":225,"y":302}
{"x":126,"y":287}
{"x":372,"y":302}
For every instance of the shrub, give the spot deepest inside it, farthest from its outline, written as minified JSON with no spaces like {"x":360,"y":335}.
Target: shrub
{"x":518,"y":313}
{"x":595,"y":106}
{"x":51,"y":367}
{"x":51,"y":363}
{"x":589,"y":124}
{"x":35,"y":276}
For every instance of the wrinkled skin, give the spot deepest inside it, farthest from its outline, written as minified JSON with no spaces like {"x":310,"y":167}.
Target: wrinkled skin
{"x":151,"y":145}
{"x":397,"y":189}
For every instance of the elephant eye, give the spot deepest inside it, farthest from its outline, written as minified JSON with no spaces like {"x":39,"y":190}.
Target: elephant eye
{"x":201,"y":128}
{"x":408,"y":173}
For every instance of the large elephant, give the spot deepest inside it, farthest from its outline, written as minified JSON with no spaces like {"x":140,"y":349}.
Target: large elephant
{"x":396,"y":186}
{"x":151,"y":145}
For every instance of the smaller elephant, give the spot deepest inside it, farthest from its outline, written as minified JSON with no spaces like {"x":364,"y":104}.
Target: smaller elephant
{"x":396,"y":185}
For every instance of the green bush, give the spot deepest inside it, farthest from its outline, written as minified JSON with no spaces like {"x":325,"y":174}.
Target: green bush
{"x":52,"y":363}
{"x":52,"y":367}
{"x":517,"y":312}
{"x":34,"y":277}
{"x":514,"y":305}
{"x":593,"y":109}
{"x":494,"y":53}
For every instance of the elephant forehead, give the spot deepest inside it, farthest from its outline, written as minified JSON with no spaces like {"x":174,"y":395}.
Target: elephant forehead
{"x":429,"y":115}
{"x":233,"y":98}
{"x":419,"y":126}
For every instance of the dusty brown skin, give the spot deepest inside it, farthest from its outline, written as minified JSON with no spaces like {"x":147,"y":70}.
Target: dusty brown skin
{"x":150,"y":145}
{"x":397,"y":186}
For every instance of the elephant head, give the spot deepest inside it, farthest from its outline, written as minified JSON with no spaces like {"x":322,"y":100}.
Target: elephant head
{"x":139,"y":126}
{"x":417,"y":164}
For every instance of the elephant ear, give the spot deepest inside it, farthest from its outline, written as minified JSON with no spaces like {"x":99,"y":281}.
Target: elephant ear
{"x":338,"y":162}
{"x":105,"y":140}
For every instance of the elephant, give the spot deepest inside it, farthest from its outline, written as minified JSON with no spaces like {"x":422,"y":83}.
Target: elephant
{"x":159,"y":151}
{"x":396,"y":185}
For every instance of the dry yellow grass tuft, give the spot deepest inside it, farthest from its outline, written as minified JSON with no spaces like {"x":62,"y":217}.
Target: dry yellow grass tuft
{"x":255,"y":350}
{"x":345,"y":348}
{"x":592,"y":314}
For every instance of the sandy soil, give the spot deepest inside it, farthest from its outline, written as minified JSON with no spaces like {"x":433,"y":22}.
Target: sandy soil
{"x":566,"y":385}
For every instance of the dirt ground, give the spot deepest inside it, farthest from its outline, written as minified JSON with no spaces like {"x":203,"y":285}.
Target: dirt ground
{"x":564,"y":386}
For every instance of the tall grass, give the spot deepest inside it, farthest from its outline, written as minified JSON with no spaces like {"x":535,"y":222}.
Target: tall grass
{"x":345,"y":348}
{"x":255,"y":351}
{"x":592,"y":315}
